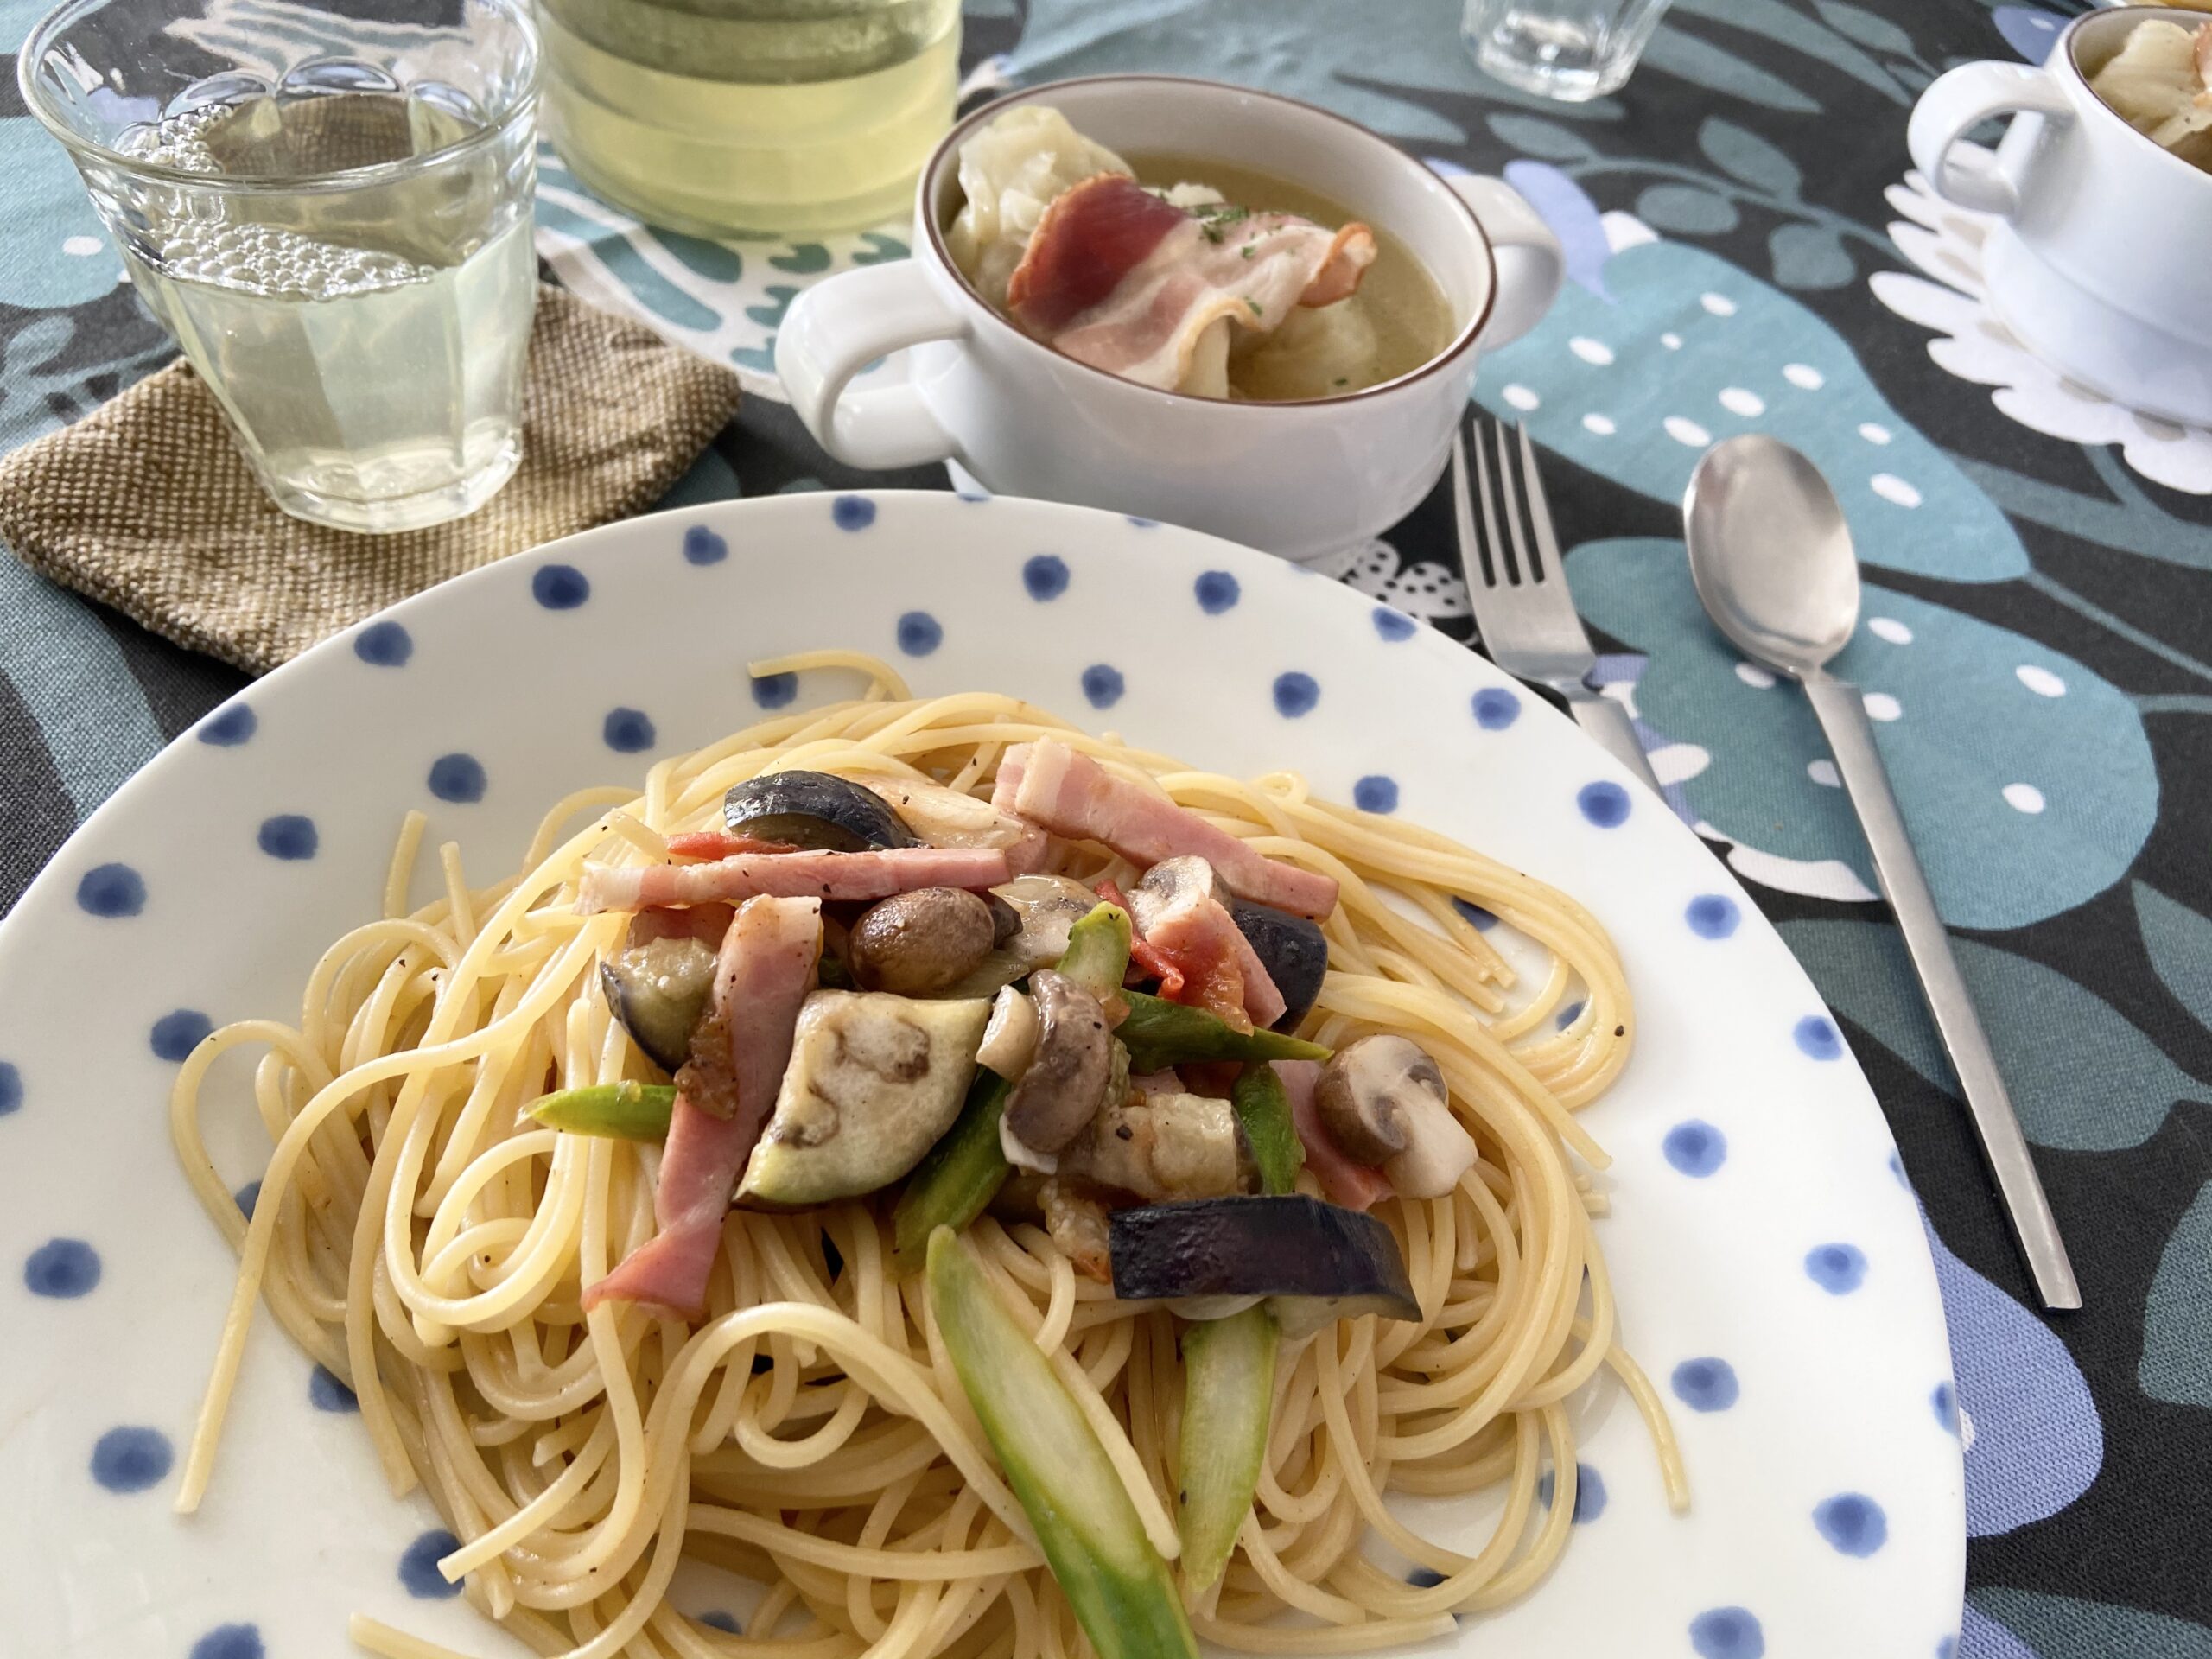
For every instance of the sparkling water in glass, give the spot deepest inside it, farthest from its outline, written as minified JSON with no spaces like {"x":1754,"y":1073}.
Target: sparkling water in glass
{"x":1567,"y":49}
{"x":331,"y":213}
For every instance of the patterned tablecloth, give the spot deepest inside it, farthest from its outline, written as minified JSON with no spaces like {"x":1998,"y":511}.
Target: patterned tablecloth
{"x":1747,"y":250}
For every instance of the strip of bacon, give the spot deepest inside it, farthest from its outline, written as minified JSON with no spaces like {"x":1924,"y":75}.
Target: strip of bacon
{"x":1091,"y":236}
{"x":1354,"y":1185}
{"x":875,"y":875}
{"x":1072,"y":795}
{"x":724,"y":1097}
{"x":718,"y":843}
{"x":1178,"y":909}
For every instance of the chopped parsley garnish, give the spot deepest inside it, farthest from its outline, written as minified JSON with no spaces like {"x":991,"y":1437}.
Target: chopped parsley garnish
{"x":1214,"y":217}
{"x":1342,"y":380}
{"x":1246,"y":251}
{"x":1258,"y":311}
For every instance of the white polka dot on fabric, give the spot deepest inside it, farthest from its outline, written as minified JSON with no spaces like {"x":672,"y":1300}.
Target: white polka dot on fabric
{"x":1823,"y":772}
{"x":1803,"y":376}
{"x":2041,"y":681}
{"x":1519,"y":396}
{"x":1682,"y":430}
{"x":1737,"y":401}
{"x":1602,"y":425}
{"x":1880,"y":705}
{"x":2024,"y":797}
{"x":1719,"y":304}
{"x":1873,"y":433}
{"x":1752,"y":674}
{"x":1889,"y":628}
{"x":1591,"y":351}
{"x":1671,"y":340}
{"x":1891,"y":487}
{"x":81,"y":246}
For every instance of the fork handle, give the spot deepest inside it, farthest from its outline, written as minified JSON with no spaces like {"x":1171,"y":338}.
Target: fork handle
{"x":1851,"y":738}
{"x":1608,"y":722}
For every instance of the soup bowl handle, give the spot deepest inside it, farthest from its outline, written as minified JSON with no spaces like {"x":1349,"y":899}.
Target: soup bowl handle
{"x":1957,"y":102}
{"x":1530,"y":263}
{"x":833,"y":331}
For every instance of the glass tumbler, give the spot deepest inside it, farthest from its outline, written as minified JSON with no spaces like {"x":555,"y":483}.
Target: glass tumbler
{"x":331,"y":213}
{"x":1570,"y":50}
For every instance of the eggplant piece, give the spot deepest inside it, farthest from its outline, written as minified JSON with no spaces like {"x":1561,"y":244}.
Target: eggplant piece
{"x":658,"y":991}
{"x":873,"y":1079}
{"x":1291,"y":950}
{"x":1314,"y":1262}
{"x":813,"y":810}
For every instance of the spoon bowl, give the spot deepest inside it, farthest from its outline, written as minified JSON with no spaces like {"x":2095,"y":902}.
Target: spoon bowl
{"x":1771,"y":555}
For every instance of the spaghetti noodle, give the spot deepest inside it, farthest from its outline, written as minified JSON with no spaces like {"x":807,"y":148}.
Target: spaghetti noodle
{"x":428,"y":1242}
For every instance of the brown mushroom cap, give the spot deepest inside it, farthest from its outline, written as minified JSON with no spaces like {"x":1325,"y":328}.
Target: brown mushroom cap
{"x":1368,"y":1092}
{"x":1067,"y":1082}
{"x":920,"y":943}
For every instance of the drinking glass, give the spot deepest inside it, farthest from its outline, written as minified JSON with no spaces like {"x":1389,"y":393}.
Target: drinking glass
{"x":331,"y":213}
{"x":1570,"y":50}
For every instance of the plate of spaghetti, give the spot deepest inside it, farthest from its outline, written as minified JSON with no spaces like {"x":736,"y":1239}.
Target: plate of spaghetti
{"x":900,"y":1075}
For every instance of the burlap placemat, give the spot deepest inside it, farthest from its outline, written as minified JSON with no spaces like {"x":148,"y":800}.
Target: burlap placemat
{"x":145,"y":504}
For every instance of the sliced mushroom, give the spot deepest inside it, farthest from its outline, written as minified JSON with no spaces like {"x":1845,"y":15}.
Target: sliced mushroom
{"x":1048,"y":906}
{"x":1065,"y":1084}
{"x":919,"y":944}
{"x":1382,"y":1103}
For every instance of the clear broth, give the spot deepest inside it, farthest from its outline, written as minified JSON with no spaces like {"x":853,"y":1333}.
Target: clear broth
{"x":1411,"y":320}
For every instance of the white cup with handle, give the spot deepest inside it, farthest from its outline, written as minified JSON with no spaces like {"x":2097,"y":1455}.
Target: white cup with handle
{"x":1297,"y":478}
{"x":2100,"y":261}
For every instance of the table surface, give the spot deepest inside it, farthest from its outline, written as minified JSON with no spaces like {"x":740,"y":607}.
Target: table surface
{"x":1747,"y":250}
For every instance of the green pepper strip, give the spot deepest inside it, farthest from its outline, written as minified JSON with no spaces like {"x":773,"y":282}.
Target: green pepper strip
{"x":1262,"y":1109}
{"x":1160,"y":1033}
{"x":627,"y":1111}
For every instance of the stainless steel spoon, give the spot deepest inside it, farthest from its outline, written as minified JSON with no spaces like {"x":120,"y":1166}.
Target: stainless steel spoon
{"x":1772,"y":559}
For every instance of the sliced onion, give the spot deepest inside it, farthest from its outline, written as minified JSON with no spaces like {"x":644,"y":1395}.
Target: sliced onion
{"x":1010,"y":1039}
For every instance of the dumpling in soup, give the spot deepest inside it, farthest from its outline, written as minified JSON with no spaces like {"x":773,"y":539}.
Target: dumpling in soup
{"x":2157,"y":83}
{"x":1010,"y":172}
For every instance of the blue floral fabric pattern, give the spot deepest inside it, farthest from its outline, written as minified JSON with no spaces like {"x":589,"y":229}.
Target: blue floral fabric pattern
{"x":2036,"y":649}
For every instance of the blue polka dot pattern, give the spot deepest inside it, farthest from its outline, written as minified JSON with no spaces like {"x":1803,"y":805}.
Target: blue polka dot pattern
{"x":1713,"y":916}
{"x":1482,"y":920}
{"x":327,"y":1393}
{"x":724,"y":1622}
{"x":1726,"y":1633}
{"x":111,"y":890}
{"x":559,"y":587}
{"x":1376,"y":793}
{"x":130,"y":1459}
{"x":61,"y":1268}
{"x":228,"y":727}
{"x":1568,"y":1016}
{"x":1424,"y":1578}
{"x":1392,"y":625}
{"x":1604,"y":803}
{"x":1102,"y":685}
{"x":1045,"y":575}
{"x":1695,"y":1147}
{"x":1816,"y":1035}
{"x":1142,"y":524}
{"x":1495,"y":708}
{"x":1706,"y":1384}
{"x":457,"y":777}
{"x":1295,"y":694}
{"x":774,"y":690}
{"x":1216,"y":591}
{"x":418,"y":1566}
{"x":177,"y":1035}
{"x":1837,"y":1269}
{"x":384,"y":644}
{"x":287,"y":835}
{"x":627,"y":731}
{"x":703,"y":546}
{"x":1589,"y":1493}
{"x":1948,"y":1648}
{"x":919,"y":633}
{"x":11,"y":1088}
{"x":1945,"y":1405}
{"x":246,"y":1198}
{"x":852,"y":512}
{"x":230,"y":1642}
{"x":1853,"y":1522}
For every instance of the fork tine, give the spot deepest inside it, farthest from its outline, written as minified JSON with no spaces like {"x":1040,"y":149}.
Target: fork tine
{"x":1540,"y":511}
{"x":1497,"y":570}
{"x":1510,"y":497}
{"x":1474,"y":554}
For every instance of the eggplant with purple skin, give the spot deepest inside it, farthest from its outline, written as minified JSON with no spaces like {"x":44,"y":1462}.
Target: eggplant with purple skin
{"x":658,"y":991}
{"x":813,"y":810}
{"x":1312,"y":1262}
{"x":1291,"y":950}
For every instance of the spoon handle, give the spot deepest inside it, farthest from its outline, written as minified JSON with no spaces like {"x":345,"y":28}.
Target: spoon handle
{"x":1851,"y":738}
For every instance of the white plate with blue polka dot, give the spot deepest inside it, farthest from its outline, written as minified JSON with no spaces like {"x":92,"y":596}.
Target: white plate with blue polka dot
{"x":1771,"y":1266}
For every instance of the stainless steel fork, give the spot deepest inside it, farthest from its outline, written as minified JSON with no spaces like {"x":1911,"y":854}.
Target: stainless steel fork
{"x":1518,"y":586}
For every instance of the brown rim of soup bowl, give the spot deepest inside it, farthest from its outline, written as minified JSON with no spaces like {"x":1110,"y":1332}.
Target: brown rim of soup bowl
{"x":2106,"y":21}
{"x":947,"y":154}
